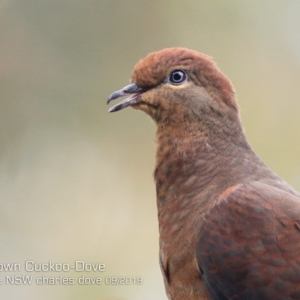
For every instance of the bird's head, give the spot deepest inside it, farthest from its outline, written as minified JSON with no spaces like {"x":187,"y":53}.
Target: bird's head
{"x":176,"y":85}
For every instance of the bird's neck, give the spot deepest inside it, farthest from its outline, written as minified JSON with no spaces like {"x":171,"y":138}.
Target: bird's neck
{"x":192,"y":142}
{"x":195,"y":162}
{"x":192,"y":159}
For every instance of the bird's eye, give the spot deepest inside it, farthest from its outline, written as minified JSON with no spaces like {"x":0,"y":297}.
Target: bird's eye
{"x":177,"y":77}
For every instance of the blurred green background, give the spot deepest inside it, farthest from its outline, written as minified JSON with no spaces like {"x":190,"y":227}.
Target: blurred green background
{"x":76,"y":182}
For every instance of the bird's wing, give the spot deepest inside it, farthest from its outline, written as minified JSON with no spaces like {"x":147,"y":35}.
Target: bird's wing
{"x":249,"y":246}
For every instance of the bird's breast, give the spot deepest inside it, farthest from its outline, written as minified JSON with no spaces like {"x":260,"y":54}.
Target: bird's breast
{"x":180,"y":201}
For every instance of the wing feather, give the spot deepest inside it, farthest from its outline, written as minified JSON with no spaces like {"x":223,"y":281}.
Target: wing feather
{"x":249,"y":246}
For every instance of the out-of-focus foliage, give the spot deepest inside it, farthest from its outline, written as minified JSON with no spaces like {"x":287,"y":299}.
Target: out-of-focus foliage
{"x":76,"y":182}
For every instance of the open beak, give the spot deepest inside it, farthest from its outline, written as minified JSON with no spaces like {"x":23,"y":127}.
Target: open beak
{"x":131,"y":89}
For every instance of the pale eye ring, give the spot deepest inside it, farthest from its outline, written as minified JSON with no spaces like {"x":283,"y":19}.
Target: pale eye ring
{"x":177,"y":77}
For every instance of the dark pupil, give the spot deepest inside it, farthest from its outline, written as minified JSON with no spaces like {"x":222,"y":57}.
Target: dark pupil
{"x":177,"y":76}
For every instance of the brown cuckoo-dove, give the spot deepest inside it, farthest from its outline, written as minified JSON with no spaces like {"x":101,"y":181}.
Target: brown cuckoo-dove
{"x":229,"y":226}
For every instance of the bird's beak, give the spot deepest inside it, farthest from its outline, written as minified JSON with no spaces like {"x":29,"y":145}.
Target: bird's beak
{"x":132,"y":89}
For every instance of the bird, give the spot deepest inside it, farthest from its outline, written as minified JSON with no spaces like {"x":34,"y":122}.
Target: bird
{"x":229,"y":227}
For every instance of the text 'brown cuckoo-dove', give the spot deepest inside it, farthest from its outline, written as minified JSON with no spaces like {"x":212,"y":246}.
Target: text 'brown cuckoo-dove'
{"x":229,"y":227}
